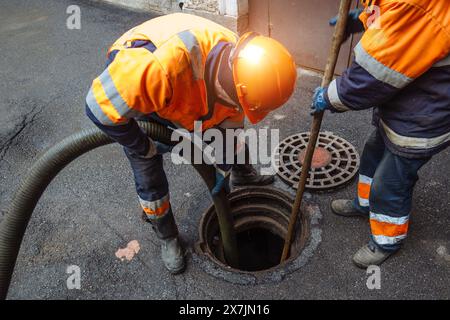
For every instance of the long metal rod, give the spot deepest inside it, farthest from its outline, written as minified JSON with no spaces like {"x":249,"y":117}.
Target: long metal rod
{"x":338,"y":36}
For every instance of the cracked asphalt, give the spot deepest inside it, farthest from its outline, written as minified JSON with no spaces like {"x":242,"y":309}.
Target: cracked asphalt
{"x":90,"y":210}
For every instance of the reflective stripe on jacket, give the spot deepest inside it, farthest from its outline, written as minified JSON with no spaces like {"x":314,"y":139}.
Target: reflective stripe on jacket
{"x":402,"y":67}
{"x":171,"y":81}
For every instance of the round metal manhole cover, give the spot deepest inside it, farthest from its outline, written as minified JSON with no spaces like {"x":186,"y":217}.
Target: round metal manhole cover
{"x":334,"y":163}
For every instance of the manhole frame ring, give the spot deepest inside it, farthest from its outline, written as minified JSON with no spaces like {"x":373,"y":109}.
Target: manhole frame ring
{"x":203,"y":255}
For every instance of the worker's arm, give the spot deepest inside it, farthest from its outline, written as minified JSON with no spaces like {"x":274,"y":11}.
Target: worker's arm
{"x":223,"y":167}
{"x":131,"y":86}
{"x":391,"y":54}
{"x":128,"y":135}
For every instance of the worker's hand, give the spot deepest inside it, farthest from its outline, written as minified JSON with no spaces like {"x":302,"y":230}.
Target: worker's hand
{"x":223,"y":172}
{"x":156,"y":147}
{"x":319,"y":103}
{"x":354,"y":25}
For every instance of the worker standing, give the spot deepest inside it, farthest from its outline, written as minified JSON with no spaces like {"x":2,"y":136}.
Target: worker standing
{"x":178,"y":69}
{"x":401,"y":69}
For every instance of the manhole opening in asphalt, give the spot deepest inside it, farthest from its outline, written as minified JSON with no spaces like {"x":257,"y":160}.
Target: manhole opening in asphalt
{"x":261,"y":219}
{"x":259,"y":249}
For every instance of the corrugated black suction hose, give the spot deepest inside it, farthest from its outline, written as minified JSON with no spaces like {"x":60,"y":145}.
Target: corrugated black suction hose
{"x":15,"y":221}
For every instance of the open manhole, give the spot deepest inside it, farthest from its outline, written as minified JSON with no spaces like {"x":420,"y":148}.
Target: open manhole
{"x":335,"y":160}
{"x":261,"y":218}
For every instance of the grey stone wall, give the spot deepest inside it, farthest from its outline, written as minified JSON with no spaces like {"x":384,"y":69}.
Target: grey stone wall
{"x":204,"y":5}
{"x":231,"y":13}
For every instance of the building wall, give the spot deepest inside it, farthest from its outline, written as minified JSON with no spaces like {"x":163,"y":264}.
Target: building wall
{"x":231,"y":13}
{"x":301,"y":25}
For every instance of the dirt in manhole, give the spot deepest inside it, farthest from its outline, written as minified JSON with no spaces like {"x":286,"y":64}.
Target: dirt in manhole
{"x":259,"y":249}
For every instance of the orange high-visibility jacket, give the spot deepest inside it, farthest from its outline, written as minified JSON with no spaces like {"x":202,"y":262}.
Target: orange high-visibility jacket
{"x":402,"y":67}
{"x":169,"y":81}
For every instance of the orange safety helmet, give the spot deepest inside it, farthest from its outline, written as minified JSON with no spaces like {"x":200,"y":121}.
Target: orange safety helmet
{"x":264,"y":74}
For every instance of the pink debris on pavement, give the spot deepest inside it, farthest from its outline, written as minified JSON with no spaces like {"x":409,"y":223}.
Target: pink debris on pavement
{"x":129,"y":251}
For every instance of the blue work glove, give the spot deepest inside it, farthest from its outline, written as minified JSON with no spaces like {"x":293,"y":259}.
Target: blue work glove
{"x":222,"y":179}
{"x":354,"y":25}
{"x":319,"y":103}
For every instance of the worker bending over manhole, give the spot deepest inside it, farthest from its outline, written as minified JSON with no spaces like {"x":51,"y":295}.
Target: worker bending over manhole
{"x":175,"y":70}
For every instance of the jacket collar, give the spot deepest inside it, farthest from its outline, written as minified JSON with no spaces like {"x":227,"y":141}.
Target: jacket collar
{"x":226,"y":82}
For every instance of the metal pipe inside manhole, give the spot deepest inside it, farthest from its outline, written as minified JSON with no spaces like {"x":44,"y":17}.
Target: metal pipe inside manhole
{"x":261,"y":218}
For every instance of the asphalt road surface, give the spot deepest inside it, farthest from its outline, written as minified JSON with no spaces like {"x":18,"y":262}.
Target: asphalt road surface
{"x":90,"y":210}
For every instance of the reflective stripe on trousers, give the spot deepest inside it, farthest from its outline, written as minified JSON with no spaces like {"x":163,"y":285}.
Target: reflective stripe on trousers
{"x":387,"y":230}
{"x":364,"y":184}
{"x":390,"y":193}
{"x":155,"y":208}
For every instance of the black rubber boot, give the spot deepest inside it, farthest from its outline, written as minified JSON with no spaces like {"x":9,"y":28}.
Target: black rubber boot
{"x":246,"y":175}
{"x":165,"y":227}
{"x":171,"y":252}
